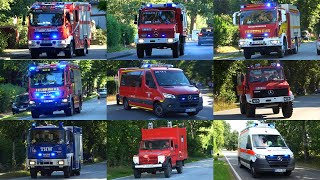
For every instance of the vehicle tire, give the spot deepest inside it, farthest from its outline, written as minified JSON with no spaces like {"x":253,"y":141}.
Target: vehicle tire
{"x":82,"y":52}
{"x":98,"y":97}
{"x":67,"y":171}
{"x":118,"y":99}
{"x":52,"y":54}
{"x":250,"y":110}
{"x":182,"y":49}
{"x":148,"y":51}
{"x":296,"y":47}
{"x":70,"y":110}
{"x":175,"y":50}
{"x":126,"y":104}
{"x":282,"y":50}
{"x":49,"y":173}
{"x":287,"y":173}
{"x":168,"y":170}
{"x":158,"y":110}
{"x":239,"y":163}
{"x":69,"y":53}
{"x":263,"y":53}
{"x":179,"y":167}
{"x":247,"y":54}
{"x":254,"y":173}
{"x":34,"y":54}
{"x":33,"y":173}
{"x":276,"y":110}
{"x":140,"y":52}
{"x":78,"y":109}
{"x":35,"y":114}
{"x":318,"y":52}
{"x":136,"y":173}
{"x":43,"y":173}
{"x":242,"y":107}
{"x":192,"y":113}
{"x":287,"y":109}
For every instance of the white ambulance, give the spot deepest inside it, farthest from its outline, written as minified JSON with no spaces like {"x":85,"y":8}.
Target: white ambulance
{"x":261,"y":148}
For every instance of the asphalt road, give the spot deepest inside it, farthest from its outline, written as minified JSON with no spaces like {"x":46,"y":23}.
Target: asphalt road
{"x":307,"y":51}
{"x":196,"y":170}
{"x":116,"y":112}
{"x":304,"y":108}
{"x":192,"y":52}
{"x":244,"y":173}
{"x":95,"y":52}
{"x":93,"y":171}
{"x":93,"y":109}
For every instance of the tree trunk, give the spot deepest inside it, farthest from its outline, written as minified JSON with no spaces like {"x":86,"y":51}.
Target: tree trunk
{"x":14,"y":155}
{"x":305,"y":141}
{"x":193,"y":19}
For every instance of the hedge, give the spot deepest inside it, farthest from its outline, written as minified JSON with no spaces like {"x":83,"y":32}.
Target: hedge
{"x":225,"y":33}
{"x":7,"y":95}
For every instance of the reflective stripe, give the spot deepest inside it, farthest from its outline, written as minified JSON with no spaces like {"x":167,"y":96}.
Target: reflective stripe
{"x":247,"y":151}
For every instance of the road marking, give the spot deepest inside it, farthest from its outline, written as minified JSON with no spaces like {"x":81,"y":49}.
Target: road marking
{"x":234,"y":171}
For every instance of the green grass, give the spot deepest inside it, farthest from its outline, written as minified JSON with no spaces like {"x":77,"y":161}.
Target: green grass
{"x":118,"y":48}
{"x":226,"y":52}
{"x":90,"y":97}
{"x":14,"y":174}
{"x":220,"y":105}
{"x":313,"y":162}
{"x":119,"y":171}
{"x":222,"y":171}
{"x":16,"y":116}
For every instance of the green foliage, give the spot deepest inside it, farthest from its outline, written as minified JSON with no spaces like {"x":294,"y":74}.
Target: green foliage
{"x":225,"y":33}
{"x":7,"y":95}
{"x":113,"y":31}
{"x":3,"y":42}
{"x":127,"y":34}
{"x":99,"y":37}
{"x":111,"y":87}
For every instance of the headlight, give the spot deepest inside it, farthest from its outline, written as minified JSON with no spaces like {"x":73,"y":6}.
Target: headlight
{"x":61,"y":162}
{"x":32,"y":102}
{"x":135,"y":159}
{"x":29,"y":42}
{"x":274,"y":41}
{"x":169,"y":96}
{"x":32,"y":163}
{"x":161,"y":159}
{"x":241,"y":43}
{"x":170,"y":40}
{"x":141,"y":40}
{"x":255,"y":100}
{"x":64,"y":100}
{"x":260,"y":156}
{"x":287,"y":98}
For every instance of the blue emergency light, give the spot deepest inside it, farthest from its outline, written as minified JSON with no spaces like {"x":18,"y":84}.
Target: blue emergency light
{"x":62,"y":66}
{"x":53,"y":154}
{"x":54,"y":36}
{"x":249,"y":35}
{"x":149,"y":5}
{"x":268,"y":4}
{"x":32,"y":68}
{"x":171,"y":5}
{"x":57,"y":93}
{"x":39,"y":154}
{"x":37,"y":94}
{"x":266,"y":34}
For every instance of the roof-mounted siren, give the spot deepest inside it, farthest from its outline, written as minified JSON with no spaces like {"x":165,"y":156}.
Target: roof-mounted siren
{"x":149,"y":5}
{"x":257,"y":65}
{"x":275,"y":64}
{"x":169,"y":124}
{"x":150,"y":125}
{"x":171,"y":5}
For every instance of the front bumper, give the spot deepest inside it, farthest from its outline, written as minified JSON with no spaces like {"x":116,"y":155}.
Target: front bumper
{"x":270,"y":100}
{"x":205,"y":40}
{"x":262,"y":165}
{"x":51,"y":164}
{"x":156,"y":42}
{"x":49,"y":105}
{"x":267,"y":44}
{"x":173,"y":105}
{"x":37,"y":44}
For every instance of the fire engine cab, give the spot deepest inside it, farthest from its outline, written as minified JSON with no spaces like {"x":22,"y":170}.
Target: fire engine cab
{"x":161,"y":26}
{"x":264,"y":86}
{"x":266,"y":26}
{"x":54,"y":87}
{"x":161,"y":149}
{"x":262,"y":149}
{"x":159,"y":88}
{"x":56,"y":27}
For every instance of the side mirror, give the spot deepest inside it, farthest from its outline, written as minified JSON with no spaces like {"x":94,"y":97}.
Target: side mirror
{"x":135,"y":19}
{"x":235,"y":17}
{"x":248,"y":146}
{"x":283,"y":16}
{"x":176,"y":146}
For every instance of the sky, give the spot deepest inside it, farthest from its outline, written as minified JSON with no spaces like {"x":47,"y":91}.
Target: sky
{"x":237,"y":125}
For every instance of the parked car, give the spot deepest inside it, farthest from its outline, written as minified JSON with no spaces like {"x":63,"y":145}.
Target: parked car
{"x":20,"y":103}
{"x":305,"y":35}
{"x":205,"y":36}
{"x":88,"y":157}
{"x":102,"y":93}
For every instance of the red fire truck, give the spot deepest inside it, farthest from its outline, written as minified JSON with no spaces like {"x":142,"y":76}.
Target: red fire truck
{"x":56,"y":27}
{"x":266,"y":27}
{"x":159,"y":88}
{"x":161,"y":149}
{"x":264,"y":86}
{"x":161,"y":26}
{"x":55,"y":87}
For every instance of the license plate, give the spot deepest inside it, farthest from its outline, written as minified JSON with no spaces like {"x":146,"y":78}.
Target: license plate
{"x":191,"y":110}
{"x":22,"y":109}
{"x":45,"y":42}
{"x":280,"y":170}
{"x":47,"y":101}
{"x":257,"y":42}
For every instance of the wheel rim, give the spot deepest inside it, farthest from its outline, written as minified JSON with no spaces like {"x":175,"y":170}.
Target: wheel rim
{"x":126,"y":104}
{"x":159,"y":110}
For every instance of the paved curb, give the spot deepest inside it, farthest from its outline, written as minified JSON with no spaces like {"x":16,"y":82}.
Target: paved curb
{"x":115,"y":55}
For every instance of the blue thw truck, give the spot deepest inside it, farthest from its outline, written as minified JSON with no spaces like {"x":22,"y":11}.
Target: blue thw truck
{"x":54,"y":148}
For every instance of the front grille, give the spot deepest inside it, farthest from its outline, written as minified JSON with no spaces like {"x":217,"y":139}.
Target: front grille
{"x":188,"y":100}
{"x":278,"y":160}
{"x":148,"y":160}
{"x":46,"y":44}
{"x":270,"y":93}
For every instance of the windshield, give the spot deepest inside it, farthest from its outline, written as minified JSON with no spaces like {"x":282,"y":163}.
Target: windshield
{"x":47,"y":78}
{"x":102,"y":90}
{"x":266,"y":74}
{"x":46,"y":19}
{"x":22,"y":98}
{"x":157,"y":17}
{"x":258,"y":17}
{"x":264,"y":140}
{"x":155,"y":144}
{"x":171,"y":78}
{"x":47,"y":136}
